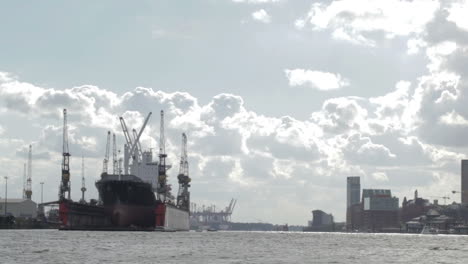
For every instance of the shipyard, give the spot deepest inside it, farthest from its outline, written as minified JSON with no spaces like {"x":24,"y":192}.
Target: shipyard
{"x":234,"y":131}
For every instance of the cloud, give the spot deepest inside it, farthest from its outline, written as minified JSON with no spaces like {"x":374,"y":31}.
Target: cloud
{"x":356,"y":20}
{"x":256,"y":1}
{"x":261,"y":16}
{"x":323,"y":81}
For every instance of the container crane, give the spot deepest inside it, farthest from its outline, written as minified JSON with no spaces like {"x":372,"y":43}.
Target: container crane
{"x":183,"y":196}
{"x":65,"y":183}
{"x":105,"y":163}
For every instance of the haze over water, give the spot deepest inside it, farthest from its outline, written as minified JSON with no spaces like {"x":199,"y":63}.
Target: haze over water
{"x":52,"y":246}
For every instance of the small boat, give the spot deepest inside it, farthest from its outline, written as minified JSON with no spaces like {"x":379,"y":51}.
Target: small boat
{"x":212,"y":229}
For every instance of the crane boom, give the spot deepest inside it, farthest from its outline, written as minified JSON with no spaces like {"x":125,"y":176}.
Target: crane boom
{"x":65,"y":183}
{"x":128,"y":139}
{"x":139,"y":149}
{"x":139,"y":134}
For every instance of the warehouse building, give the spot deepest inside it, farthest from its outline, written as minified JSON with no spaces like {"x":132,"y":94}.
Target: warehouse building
{"x":19,"y":208}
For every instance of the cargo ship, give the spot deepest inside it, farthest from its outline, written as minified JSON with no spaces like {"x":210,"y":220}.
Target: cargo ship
{"x":133,"y":197}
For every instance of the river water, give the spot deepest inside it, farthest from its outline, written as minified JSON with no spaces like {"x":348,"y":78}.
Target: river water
{"x":52,"y":246}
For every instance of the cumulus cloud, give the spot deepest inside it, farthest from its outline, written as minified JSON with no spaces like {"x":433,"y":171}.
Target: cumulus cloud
{"x":261,"y":16}
{"x":356,"y":20}
{"x":256,"y":1}
{"x":323,"y":81}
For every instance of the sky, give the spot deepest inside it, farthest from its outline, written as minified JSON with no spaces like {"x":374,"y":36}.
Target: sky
{"x":281,"y":100}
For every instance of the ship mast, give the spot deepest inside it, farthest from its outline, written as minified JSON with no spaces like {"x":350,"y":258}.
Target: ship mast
{"x":106,"y":157}
{"x":183,"y":196}
{"x":83,"y":187}
{"x":24,"y":181}
{"x":162,"y":189}
{"x":28,"y":191}
{"x":114,"y":155}
{"x":65,"y":183}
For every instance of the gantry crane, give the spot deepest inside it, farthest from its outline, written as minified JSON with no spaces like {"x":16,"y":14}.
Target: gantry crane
{"x":65,"y":183}
{"x":183,"y":196}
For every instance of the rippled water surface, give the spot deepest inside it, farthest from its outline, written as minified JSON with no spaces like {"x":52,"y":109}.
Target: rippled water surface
{"x":52,"y":246}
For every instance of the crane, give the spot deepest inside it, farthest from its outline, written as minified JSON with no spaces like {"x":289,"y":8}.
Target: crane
{"x":28,"y":191}
{"x":183,"y":196}
{"x":442,"y":197}
{"x":106,"y":157}
{"x":162,"y":188}
{"x":139,"y":149}
{"x":131,"y":146}
{"x":137,"y":139}
{"x":83,"y":187}
{"x":65,"y":183}
{"x":114,"y":155}
{"x":128,"y":144}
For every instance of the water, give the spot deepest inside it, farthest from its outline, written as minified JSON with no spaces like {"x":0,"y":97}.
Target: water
{"x":52,"y":246}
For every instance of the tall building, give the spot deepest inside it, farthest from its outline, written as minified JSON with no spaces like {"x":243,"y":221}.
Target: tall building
{"x":464,"y":181}
{"x":353,"y":192}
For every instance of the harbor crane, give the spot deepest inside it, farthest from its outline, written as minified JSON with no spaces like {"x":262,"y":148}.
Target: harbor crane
{"x":162,"y":189}
{"x":105,"y":163}
{"x":65,"y":183}
{"x":442,"y":197}
{"x":183,"y":196}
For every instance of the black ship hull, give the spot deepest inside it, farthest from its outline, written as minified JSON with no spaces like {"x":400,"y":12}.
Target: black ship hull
{"x":127,"y":200}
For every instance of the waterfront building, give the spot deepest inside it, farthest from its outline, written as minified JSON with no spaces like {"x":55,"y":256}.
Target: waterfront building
{"x":379,"y":210}
{"x":353,"y":194}
{"x":321,"y":221}
{"x":464,"y":182}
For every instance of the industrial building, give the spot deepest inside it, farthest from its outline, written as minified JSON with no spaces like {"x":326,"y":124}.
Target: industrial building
{"x":353,"y":192}
{"x":464,"y":182}
{"x":19,"y":207}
